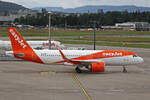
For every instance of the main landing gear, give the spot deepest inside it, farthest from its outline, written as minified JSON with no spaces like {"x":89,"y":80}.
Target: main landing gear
{"x":124,"y":69}
{"x":78,"y":70}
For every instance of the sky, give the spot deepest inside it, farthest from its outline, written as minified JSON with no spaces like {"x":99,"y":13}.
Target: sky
{"x":78,"y":3}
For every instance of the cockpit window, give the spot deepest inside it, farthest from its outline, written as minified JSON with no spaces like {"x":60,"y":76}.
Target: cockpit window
{"x":134,"y":55}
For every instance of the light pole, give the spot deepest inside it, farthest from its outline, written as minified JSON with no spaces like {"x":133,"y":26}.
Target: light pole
{"x":65,"y":16}
{"x":49,"y":30}
{"x":94,"y":37}
{"x":94,"y":33}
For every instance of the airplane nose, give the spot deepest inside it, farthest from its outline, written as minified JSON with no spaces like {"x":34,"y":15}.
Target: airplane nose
{"x":140,"y":60}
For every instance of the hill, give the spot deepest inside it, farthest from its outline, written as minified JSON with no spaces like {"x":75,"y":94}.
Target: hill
{"x":10,"y":7}
{"x":93,"y":9}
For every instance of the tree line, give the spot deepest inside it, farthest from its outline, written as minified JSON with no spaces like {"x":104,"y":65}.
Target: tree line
{"x":84,"y":20}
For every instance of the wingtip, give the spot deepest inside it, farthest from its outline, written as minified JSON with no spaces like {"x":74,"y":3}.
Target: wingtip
{"x":9,"y":28}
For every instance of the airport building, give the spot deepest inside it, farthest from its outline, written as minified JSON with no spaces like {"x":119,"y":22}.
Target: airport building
{"x":8,"y":18}
{"x":137,"y":26}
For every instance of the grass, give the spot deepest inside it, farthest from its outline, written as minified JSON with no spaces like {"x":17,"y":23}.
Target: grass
{"x":101,"y":43}
{"x":44,"y":32}
{"x":118,"y":39}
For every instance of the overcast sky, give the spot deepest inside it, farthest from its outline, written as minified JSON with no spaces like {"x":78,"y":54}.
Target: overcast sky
{"x":78,"y":3}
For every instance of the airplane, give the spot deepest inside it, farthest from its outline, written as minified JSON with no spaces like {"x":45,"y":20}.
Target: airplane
{"x":93,"y":60}
{"x":34,"y":44}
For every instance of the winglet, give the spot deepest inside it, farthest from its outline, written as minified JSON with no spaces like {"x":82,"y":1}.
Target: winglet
{"x":63,"y":56}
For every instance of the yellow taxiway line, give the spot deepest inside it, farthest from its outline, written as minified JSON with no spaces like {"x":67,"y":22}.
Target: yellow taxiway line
{"x":80,"y":85}
{"x":74,"y":75}
{"x":42,"y":73}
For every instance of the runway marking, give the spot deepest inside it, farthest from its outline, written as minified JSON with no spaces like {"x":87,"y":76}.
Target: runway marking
{"x":74,"y":75}
{"x":48,"y":72}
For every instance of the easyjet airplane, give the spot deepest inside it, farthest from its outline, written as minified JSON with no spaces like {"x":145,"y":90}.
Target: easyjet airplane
{"x":33,"y":44}
{"x":94,"y":60}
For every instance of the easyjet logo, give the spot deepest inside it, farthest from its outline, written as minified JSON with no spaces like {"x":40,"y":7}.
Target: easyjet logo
{"x":47,"y":43}
{"x":112,"y":54}
{"x":18,"y":39}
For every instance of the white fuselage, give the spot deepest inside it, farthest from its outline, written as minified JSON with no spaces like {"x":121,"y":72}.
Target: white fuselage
{"x":52,"y":56}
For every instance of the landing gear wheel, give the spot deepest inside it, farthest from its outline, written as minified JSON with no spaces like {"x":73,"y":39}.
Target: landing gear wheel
{"x":124,"y":69}
{"x":78,"y":70}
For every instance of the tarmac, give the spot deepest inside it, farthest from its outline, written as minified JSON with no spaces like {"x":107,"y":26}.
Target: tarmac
{"x":20,"y":80}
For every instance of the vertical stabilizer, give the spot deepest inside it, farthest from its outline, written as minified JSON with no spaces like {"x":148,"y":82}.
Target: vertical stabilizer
{"x":21,"y":49}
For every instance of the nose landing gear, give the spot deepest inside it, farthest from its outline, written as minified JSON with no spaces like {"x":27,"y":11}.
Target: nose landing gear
{"x":124,"y":69}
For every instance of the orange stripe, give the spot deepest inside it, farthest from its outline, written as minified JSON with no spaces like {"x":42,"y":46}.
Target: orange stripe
{"x":100,"y":55}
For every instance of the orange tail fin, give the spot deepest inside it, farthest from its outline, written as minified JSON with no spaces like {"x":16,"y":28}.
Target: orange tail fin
{"x":17,"y":41}
{"x":21,"y":49}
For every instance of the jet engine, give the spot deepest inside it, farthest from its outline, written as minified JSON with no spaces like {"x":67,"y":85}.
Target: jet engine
{"x":97,"y":67}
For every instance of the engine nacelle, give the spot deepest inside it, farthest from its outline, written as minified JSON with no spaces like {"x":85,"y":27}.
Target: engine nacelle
{"x":97,"y":67}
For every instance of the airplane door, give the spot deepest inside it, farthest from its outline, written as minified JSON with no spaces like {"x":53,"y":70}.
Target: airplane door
{"x":126,"y":60}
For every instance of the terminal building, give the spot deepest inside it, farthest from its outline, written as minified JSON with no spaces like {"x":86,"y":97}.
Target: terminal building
{"x":137,"y":26}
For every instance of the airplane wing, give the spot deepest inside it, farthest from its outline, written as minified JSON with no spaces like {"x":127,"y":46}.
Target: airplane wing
{"x":74,"y":61}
